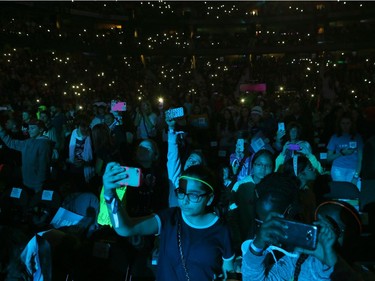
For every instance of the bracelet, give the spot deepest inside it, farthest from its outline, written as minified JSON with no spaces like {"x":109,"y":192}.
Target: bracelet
{"x":255,"y":250}
{"x":112,"y":203}
{"x":109,"y":199}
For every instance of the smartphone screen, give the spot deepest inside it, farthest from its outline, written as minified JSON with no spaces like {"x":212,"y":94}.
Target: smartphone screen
{"x":281,"y":126}
{"x":174,"y":113}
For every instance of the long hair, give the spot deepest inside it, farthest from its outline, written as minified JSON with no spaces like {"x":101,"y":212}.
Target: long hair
{"x":101,"y":136}
{"x":263,"y":152}
{"x":339,"y":132}
{"x":230,"y":122}
{"x":292,"y":125}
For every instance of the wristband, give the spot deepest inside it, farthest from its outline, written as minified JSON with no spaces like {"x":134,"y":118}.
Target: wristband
{"x":341,"y":152}
{"x":255,"y":250}
{"x":113,"y":203}
{"x":108,"y":199}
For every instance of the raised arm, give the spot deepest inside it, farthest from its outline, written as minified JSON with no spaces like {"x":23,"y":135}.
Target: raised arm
{"x":9,"y":142}
{"x":173,"y":162}
{"x":121,"y":222}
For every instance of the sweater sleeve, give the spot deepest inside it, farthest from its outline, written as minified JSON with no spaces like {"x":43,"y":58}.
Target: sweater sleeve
{"x":45,"y":155}
{"x":279,"y":161}
{"x":173,"y":167}
{"x":11,"y":143}
{"x":315,"y":163}
{"x":252,"y":266}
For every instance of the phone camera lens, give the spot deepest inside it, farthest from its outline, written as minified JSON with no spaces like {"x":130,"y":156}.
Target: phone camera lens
{"x":309,"y":235}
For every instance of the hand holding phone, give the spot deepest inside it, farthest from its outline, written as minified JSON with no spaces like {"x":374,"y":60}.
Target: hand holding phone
{"x":131,"y":176}
{"x":276,"y":230}
{"x":299,"y":234}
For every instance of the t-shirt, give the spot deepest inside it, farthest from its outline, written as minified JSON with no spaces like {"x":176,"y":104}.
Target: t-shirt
{"x":245,"y":170}
{"x":336,"y":143}
{"x":78,"y":151}
{"x":203,"y":248}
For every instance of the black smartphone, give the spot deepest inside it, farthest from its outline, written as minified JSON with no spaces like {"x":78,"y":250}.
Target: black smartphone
{"x":300,"y":235}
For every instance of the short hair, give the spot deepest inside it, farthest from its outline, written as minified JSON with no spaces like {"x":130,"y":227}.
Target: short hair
{"x":281,"y":191}
{"x":47,"y":113}
{"x":38,"y":123}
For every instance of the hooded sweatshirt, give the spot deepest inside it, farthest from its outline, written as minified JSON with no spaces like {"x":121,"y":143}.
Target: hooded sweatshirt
{"x":36,"y":159}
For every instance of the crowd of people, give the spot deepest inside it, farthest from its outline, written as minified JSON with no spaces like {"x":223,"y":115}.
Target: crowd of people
{"x":208,"y":195}
{"x":206,"y":174}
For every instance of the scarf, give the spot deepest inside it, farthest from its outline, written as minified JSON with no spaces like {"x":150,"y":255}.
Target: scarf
{"x":87,"y":154}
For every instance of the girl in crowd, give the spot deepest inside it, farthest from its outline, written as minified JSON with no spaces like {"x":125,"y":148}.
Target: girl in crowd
{"x":194,"y":243}
{"x":292,"y":135}
{"x":301,"y":167}
{"x":300,"y":148}
{"x":104,"y":148}
{"x":345,"y":152}
{"x":140,"y":201}
{"x":226,"y":129}
{"x":80,"y":157}
{"x":145,"y":121}
{"x":278,"y":199}
{"x":240,"y":159}
{"x":244,"y":195}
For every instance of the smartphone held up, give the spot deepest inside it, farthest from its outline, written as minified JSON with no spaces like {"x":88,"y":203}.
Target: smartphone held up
{"x":174,"y":113}
{"x":131,"y":176}
{"x":118,"y":105}
{"x":300,"y":235}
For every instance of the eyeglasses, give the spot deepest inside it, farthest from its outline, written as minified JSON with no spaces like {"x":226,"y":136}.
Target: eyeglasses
{"x":263,"y":166}
{"x":192,"y":197}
